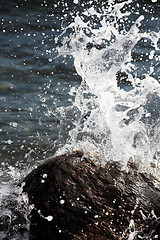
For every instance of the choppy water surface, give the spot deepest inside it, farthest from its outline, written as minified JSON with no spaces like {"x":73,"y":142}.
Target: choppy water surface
{"x":78,"y":75}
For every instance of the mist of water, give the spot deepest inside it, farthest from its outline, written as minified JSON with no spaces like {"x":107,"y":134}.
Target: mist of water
{"x":117,"y":122}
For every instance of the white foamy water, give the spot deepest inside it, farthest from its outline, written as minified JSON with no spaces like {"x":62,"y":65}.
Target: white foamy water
{"x":14,"y":212}
{"x":119,"y":123}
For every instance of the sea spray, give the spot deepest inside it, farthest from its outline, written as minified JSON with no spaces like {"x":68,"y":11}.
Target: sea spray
{"x":14,"y":213}
{"x":113,"y":120}
{"x":115,"y":114}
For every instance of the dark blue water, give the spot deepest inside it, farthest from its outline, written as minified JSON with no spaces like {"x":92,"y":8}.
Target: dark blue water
{"x":34,"y":83}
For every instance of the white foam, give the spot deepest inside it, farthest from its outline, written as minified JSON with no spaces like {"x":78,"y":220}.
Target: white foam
{"x":118,"y":123}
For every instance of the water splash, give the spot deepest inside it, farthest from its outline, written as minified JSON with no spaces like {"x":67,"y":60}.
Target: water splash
{"x":114,"y":116}
{"x":115,"y":113}
{"x":14,"y":213}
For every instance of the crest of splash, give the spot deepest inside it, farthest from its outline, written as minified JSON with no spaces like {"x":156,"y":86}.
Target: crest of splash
{"x":112,"y":121}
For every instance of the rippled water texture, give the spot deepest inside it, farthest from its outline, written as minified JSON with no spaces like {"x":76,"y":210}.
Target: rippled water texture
{"x":32,"y":83}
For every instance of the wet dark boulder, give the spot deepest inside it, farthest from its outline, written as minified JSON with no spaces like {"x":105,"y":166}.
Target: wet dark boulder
{"x":75,"y":198}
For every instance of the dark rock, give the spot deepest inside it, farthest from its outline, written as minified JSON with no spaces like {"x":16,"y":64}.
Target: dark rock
{"x":75,"y":198}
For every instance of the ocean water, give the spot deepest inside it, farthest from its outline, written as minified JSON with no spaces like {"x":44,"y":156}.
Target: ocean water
{"x":78,"y":75}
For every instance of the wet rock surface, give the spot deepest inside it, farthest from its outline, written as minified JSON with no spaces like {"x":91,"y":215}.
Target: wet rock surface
{"x":75,"y":198}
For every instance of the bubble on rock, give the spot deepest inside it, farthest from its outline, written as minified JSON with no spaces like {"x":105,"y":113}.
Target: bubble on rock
{"x":49,"y":218}
{"x":62,"y":201}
